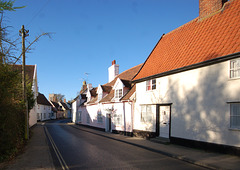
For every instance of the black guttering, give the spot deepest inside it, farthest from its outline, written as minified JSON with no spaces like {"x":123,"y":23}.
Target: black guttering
{"x":190,"y":67}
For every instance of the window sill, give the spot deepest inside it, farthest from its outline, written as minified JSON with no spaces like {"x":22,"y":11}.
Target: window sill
{"x":234,"y":78}
{"x":234,"y":129}
{"x":150,"y":90}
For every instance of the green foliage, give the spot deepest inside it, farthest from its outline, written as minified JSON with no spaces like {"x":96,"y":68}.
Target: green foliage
{"x":12,"y":117}
{"x":8,"y":6}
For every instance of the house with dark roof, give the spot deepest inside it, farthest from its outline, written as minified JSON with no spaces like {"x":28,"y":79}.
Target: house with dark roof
{"x":31,"y":77}
{"x":57,"y":109}
{"x":108,"y":107}
{"x":44,"y":108}
{"x":66,"y":109}
{"x":187,"y":90}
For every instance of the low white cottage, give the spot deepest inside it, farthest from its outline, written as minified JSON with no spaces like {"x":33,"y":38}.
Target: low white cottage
{"x":188,"y":89}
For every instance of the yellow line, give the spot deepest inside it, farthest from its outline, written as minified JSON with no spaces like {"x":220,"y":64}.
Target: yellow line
{"x":57,"y":152}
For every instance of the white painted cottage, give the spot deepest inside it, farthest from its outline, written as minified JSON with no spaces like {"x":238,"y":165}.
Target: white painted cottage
{"x":107,"y":107}
{"x":44,"y":108}
{"x":188,"y":89}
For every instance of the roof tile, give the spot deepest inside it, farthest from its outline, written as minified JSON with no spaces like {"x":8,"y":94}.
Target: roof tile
{"x":196,"y":41}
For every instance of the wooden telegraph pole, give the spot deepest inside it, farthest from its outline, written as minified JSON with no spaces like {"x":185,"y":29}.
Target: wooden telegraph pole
{"x":24,"y":33}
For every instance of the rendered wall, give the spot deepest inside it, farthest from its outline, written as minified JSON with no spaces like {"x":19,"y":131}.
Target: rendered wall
{"x":199,"y":103}
{"x":74,"y":111}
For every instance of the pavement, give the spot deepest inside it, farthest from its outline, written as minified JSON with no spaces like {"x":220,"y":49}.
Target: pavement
{"x":37,"y":154}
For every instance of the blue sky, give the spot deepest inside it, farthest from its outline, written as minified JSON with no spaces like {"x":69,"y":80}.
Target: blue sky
{"x":89,"y":34}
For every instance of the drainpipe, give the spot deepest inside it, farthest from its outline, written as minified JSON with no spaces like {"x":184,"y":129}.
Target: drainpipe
{"x":124,"y":118}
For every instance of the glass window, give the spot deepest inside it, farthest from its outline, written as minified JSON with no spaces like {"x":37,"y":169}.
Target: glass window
{"x":146,"y":113}
{"x":235,"y":115}
{"x":100,"y":95}
{"x":151,"y":84}
{"x":117,"y":119}
{"x":79,"y":116}
{"x":235,"y":68}
{"x":88,"y":118}
{"x":99,"y":117}
{"x":118,"y":93}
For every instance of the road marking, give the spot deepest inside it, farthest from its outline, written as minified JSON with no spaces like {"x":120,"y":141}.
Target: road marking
{"x":57,"y":152}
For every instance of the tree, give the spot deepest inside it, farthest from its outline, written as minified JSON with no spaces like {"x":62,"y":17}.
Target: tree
{"x":59,"y":97}
{"x":8,"y":6}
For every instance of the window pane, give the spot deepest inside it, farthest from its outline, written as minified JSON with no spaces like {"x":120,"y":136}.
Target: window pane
{"x":153,"y":84}
{"x":234,"y":68}
{"x":148,"y":85}
{"x":235,"y":115}
{"x":149,"y":113}
{"x":143,"y":113}
{"x":120,"y":93}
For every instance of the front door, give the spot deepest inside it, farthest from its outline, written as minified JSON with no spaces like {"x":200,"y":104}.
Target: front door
{"x":164,"y":121}
{"x":108,"y":122}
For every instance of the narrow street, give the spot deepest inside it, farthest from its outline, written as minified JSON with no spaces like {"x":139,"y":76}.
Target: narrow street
{"x":79,"y":149}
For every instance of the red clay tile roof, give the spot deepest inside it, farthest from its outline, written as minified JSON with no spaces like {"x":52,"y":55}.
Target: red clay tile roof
{"x":41,"y":99}
{"x":129,"y":94}
{"x":197,"y":41}
{"x":106,"y":88}
{"x":125,"y":77}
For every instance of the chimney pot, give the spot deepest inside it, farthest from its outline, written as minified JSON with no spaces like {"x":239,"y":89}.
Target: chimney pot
{"x":207,"y":7}
{"x":113,"y":62}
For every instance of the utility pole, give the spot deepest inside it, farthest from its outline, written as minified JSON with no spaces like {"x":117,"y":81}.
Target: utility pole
{"x":24,"y":33}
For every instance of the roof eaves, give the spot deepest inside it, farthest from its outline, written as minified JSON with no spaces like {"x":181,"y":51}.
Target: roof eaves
{"x":190,"y":67}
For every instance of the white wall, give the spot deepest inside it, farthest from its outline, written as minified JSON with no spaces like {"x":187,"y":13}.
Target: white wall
{"x":74,"y":111}
{"x":44,"y":111}
{"x":33,"y":111}
{"x":32,"y":116}
{"x":199,"y":103}
{"x":92,"y":111}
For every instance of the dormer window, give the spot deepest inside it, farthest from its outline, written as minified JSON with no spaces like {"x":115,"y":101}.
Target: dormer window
{"x":100,"y":95}
{"x":151,"y":84}
{"x":118,"y":93}
{"x":235,"y":68}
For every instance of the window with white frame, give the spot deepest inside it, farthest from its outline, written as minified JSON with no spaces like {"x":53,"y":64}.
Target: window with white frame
{"x":88,"y":118}
{"x":118,"y":93}
{"x":146,"y":113}
{"x":100,"y":95}
{"x":151,"y":84}
{"x":235,"y":68}
{"x":99,"y":117}
{"x":235,"y":115}
{"x":38,"y":116}
{"x":117,"y":118}
{"x":79,"y":116}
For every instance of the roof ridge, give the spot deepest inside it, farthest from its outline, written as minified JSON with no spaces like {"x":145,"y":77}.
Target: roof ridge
{"x":128,"y":69}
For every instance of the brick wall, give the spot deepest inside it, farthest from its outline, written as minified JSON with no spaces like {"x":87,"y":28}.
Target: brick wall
{"x":207,"y":7}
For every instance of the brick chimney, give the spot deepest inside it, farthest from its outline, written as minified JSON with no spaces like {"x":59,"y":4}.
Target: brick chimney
{"x":113,"y":71}
{"x":207,"y":7}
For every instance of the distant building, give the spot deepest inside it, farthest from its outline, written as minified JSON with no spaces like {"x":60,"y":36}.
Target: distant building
{"x":44,"y":108}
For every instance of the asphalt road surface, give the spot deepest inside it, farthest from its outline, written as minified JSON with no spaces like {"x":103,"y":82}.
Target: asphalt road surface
{"x":72,"y":148}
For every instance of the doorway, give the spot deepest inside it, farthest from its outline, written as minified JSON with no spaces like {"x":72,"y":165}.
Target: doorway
{"x":164,"y":123}
{"x":108,"y":123}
